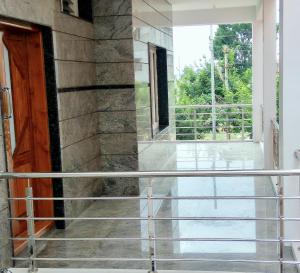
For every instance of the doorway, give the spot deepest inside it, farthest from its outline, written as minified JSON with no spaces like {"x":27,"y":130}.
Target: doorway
{"x":25,"y":122}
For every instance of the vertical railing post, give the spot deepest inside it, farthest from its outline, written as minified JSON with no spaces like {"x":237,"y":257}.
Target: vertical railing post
{"x":195,"y":123}
{"x":243,"y":123}
{"x":151,"y":229}
{"x":228,"y":127}
{"x":281,"y":223}
{"x":31,"y":230}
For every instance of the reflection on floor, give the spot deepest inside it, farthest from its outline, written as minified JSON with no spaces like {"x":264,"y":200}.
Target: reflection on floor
{"x":182,"y":156}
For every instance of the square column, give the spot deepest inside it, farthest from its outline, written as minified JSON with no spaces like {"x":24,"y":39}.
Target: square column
{"x":269,"y":78}
{"x":290,"y":110}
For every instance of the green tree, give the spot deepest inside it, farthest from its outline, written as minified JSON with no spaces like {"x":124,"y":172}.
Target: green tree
{"x":194,"y":86}
{"x":237,"y":37}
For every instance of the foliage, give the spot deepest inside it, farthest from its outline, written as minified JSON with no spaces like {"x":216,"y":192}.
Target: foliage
{"x":237,"y":37}
{"x":194,"y":86}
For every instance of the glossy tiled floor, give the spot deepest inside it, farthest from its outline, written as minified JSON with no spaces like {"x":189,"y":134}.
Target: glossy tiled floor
{"x":182,"y":156}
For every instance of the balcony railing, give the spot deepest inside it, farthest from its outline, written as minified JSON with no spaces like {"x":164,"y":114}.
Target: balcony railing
{"x":151,"y":218}
{"x":222,"y":123}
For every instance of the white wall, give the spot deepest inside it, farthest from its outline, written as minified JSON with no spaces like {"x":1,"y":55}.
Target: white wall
{"x":289,"y":107}
{"x":257,"y":63}
{"x":269,"y":78}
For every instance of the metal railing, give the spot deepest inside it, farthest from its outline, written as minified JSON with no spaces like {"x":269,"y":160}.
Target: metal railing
{"x":152,"y":239}
{"x":275,"y":135}
{"x":232,"y":122}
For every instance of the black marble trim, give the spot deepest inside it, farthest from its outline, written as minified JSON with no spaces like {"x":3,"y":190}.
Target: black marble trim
{"x":59,"y":210}
{"x":95,"y":87}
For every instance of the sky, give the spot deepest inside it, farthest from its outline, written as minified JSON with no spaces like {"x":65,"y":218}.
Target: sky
{"x":190,"y":45}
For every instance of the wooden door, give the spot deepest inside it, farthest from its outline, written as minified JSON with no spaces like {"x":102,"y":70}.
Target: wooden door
{"x":22,"y":152}
{"x":26,"y":122}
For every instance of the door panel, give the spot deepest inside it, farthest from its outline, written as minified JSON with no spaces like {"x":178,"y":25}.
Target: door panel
{"x":22,"y":157}
{"x":27,"y":125}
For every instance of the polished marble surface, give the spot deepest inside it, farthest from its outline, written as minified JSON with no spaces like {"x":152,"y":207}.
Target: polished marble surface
{"x":182,"y":156}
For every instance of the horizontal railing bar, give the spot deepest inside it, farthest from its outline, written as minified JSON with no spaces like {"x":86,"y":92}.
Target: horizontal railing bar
{"x":79,"y":259}
{"x":78,"y":198}
{"x":226,"y":197}
{"x":161,"y":239}
{"x":217,"y":126}
{"x":78,"y":218}
{"x":225,"y":261}
{"x":159,"y":198}
{"x":185,"y":114}
{"x":80,"y":239}
{"x":155,"y":218}
{"x":152,"y":174}
{"x":210,"y":106}
{"x":210,"y":127}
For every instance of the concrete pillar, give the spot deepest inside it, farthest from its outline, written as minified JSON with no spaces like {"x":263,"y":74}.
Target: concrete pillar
{"x":257,"y":79}
{"x":290,"y":109}
{"x":269,"y":78}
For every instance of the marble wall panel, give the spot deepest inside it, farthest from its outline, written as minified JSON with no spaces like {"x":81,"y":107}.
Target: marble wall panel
{"x":5,"y":243}
{"x":120,"y":186}
{"x":73,"y":48}
{"x":115,"y":73}
{"x":113,"y":27}
{"x":116,"y":100}
{"x":75,"y":104}
{"x":3,"y":194}
{"x":4,"y":227}
{"x":119,"y":162}
{"x":33,"y":11}
{"x":5,"y":254}
{"x":115,"y":67}
{"x":109,"y":51}
{"x":74,"y":74}
{"x":72,"y":25}
{"x":77,"y":129}
{"x":118,"y":144}
{"x":82,"y":187}
{"x":80,"y":153}
{"x":150,"y":15}
{"x":117,"y":122}
{"x":109,"y":8}
{"x":163,"y":6}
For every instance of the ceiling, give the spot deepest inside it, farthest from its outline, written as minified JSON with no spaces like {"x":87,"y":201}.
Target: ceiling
{"x":212,"y":4}
{"x":199,"y":12}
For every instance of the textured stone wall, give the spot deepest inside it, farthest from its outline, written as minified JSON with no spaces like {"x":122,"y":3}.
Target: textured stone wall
{"x":5,"y":244}
{"x":74,"y":50}
{"x":115,"y":78}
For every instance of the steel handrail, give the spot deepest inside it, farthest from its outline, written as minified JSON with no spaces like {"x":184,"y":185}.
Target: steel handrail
{"x":151,"y":174}
{"x":210,"y":106}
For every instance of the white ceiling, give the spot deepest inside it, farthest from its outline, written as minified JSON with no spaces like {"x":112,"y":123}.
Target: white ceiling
{"x":199,"y":12}
{"x":211,"y":4}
